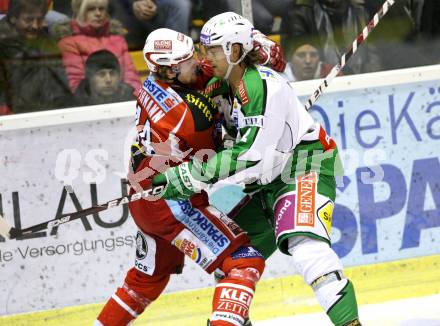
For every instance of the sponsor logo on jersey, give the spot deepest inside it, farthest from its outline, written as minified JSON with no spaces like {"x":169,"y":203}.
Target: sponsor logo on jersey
{"x":234,"y":114}
{"x":255,"y":121}
{"x":284,"y":213}
{"x":239,"y":295}
{"x":190,"y":249}
{"x":163,"y":45}
{"x":199,"y":224}
{"x":265,"y":72}
{"x":186,"y":177}
{"x":305,"y":208}
{"x":234,"y":302}
{"x":141,"y":267}
{"x":199,"y":103}
{"x":141,"y":246}
{"x":287,"y":203}
{"x":246,"y":252}
{"x":210,"y":88}
{"x":205,"y":39}
{"x":235,"y":229}
{"x":153,"y":97}
{"x":242,"y":92}
{"x":195,"y":249}
{"x":325,"y":213}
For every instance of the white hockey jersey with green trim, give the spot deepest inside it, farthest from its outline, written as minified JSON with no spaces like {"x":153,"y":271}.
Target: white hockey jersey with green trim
{"x":274,"y":132}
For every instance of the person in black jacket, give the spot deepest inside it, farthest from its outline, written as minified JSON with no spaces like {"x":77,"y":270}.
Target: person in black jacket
{"x":32,"y":76}
{"x":141,"y":17}
{"x":426,"y":15}
{"x":336,"y":23}
{"x":102,"y":83}
{"x":396,"y":36}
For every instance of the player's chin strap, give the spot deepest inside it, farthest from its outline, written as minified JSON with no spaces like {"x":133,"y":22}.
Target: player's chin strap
{"x":232,"y":64}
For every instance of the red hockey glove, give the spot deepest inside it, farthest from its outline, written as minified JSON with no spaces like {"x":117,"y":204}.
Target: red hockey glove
{"x":204,"y":74}
{"x":269,"y":52}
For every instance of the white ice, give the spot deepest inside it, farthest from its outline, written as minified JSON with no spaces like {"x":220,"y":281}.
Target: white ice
{"x":422,"y":311}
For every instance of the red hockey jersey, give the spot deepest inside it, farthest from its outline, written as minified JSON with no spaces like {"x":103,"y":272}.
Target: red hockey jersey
{"x":173,"y":123}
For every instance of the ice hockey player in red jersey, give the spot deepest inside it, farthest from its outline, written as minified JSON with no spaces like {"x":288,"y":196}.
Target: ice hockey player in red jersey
{"x":174,"y":122}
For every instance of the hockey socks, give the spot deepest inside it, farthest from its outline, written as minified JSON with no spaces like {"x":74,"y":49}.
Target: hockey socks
{"x":231,"y":302}
{"x":121,"y":309}
{"x":336,"y":295}
{"x":129,"y":301}
{"x":233,"y":295}
{"x":321,"y":268}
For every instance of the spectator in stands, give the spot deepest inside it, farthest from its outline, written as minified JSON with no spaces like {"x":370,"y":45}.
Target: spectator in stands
{"x":263,"y":11}
{"x":305,"y":63}
{"x":140,"y":17}
{"x":91,"y":30}
{"x":426,"y":15}
{"x":63,"y":6}
{"x":394,"y":37}
{"x":32,"y":76}
{"x":103,"y":83}
{"x":336,"y":23}
{"x":51,"y":18}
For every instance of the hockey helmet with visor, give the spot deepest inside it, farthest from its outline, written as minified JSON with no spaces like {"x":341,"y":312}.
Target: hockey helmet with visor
{"x":165,"y":47}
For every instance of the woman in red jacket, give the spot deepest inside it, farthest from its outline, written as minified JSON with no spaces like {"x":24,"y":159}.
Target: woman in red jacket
{"x":91,"y":30}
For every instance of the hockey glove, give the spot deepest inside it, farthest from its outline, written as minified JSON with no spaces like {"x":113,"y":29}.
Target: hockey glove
{"x":204,"y":73}
{"x":269,"y":52}
{"x":180,"y":184}
{"x":252,"y":188}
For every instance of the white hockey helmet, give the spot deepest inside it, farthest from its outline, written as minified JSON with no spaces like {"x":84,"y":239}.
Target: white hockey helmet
{"x":226,"y":29}
{"x":165,"y":47}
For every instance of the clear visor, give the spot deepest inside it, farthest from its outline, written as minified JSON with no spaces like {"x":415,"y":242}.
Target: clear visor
{"x":205,"y":51}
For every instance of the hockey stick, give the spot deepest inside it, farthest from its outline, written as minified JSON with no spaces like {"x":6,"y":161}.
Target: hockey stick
{"x":9,"y":232}
{"x":12,"y":233}
{"x":332,"y":74}
{"x":346,"y":56}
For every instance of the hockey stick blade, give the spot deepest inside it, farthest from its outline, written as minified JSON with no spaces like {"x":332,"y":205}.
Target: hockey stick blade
{"x":15,"y":233}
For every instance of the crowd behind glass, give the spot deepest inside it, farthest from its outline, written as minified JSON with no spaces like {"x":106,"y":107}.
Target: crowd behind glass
{"x":61,"y":53}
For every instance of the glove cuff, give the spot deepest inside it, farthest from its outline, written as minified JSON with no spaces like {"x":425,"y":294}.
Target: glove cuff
{"x":188,"y":180}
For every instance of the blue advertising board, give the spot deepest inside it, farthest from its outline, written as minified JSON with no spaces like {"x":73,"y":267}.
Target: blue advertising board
{"x":388,"y":202}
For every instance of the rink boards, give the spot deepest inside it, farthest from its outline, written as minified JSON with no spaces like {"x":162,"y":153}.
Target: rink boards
{"x":284,"y":296}
{"x":387,"y":126}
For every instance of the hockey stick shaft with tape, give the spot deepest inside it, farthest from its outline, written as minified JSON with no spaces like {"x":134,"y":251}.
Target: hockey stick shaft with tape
{"x":346,"y":56}
{"x":333,"y":73}
{"x":12,"y":233}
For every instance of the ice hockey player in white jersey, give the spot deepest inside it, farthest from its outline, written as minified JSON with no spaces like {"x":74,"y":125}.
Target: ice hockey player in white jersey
{"x":280,"y":153}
